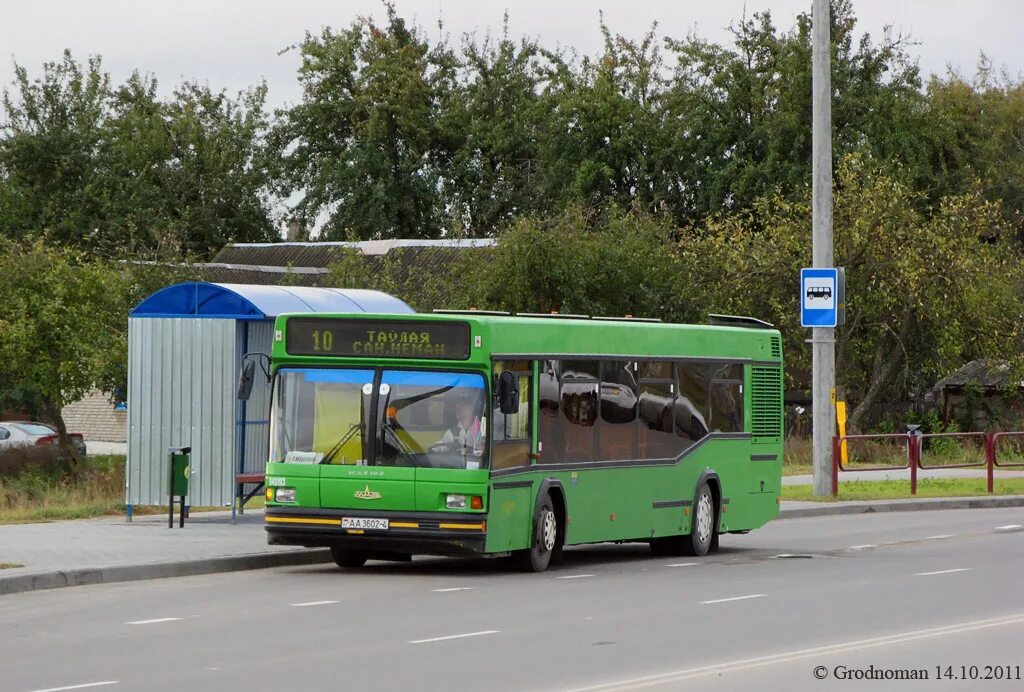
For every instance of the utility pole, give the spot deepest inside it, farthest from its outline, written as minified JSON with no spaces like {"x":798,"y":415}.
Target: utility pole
{"x":822,"y":338}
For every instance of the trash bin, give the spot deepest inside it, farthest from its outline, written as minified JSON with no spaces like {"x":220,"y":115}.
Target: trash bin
{"x":180,"y":472}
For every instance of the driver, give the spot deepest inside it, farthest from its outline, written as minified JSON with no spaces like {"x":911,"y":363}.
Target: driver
{"x":465,"y":434}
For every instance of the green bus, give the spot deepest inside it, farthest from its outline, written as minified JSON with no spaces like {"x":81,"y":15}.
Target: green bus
{"x":488,"y":434}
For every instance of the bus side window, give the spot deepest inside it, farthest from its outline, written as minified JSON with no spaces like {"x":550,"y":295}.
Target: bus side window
{"x":692,"y":407}
{"x":511,"y":432}
{"x":548,"y":433}
{"x":726,"y":398}
{"x":657,"y":439}
{"x":580,"y":385}
{"x":616,"y":430}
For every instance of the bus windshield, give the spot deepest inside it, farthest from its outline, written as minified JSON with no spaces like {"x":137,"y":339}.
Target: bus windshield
{"x":378,"y":417}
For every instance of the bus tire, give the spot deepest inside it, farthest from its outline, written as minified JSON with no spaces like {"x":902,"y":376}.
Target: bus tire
{"x":703,"y":529}
{"x":544,"y":539}
{"x":348,"y":559}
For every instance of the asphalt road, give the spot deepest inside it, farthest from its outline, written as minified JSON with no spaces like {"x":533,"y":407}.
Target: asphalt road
{"x":908,"y":591}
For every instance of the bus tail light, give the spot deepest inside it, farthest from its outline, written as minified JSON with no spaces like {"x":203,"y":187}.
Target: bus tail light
{"x":476,"y":502}
{"x":270,"y":495}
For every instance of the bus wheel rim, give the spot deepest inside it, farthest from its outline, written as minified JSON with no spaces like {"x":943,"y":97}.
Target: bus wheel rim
{"x":704,"y":518}
{"x":549,"y":531}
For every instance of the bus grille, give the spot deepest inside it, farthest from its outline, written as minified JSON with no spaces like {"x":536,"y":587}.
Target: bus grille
{"x":766,"y":403}
{"x":776,"y":347}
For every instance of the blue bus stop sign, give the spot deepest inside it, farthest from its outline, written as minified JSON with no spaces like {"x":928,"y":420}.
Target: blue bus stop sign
{"x":819,"y":297}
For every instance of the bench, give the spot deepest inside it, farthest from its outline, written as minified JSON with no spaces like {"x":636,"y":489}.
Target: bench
{"x":243,"y":479}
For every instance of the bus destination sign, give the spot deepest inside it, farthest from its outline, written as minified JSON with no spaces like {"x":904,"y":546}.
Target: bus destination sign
{"x":311,"y":336}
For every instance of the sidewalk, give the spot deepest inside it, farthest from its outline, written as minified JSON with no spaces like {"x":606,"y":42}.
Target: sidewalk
{"x":91,"y":551}
{"x":96,"y":551}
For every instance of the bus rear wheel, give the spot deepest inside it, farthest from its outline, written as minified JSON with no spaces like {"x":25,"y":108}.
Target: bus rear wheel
{"x":348,"y":559}
{"x":703,"y":531}
{"x":703,"y":536}
{"x":544,"y":542}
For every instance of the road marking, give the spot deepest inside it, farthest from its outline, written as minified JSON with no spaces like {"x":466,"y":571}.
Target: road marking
{"x":866,"y":546}
{"x":575,"y":576}
{"x":944,"y":571}
{"x":799,"y":654}
{"x":78,"y":687}
{"x":683,"y":564}
{"x":734,"y":598}
{"x":311,"y":603}
{"x":454,"y":588}
{"x":1009,"y":527}
{"x":940,"y":537}
{"x":151,"y":622}
{"x":453,"y":636}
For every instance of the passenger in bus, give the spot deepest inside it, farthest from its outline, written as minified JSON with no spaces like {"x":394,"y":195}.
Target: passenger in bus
{"x":465,"y":434}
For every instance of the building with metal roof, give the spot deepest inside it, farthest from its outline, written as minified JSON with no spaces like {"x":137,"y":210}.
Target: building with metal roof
{"x":185,"y":346}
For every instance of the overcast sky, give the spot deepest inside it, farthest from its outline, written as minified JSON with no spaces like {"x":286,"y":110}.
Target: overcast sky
{"x":233,"y":44}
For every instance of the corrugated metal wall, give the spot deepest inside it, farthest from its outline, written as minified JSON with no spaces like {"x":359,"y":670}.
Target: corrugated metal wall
{"x":257,"y":408}
{"x":182,"y":380}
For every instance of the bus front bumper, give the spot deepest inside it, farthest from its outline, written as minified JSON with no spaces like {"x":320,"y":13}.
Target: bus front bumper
{"x":415,"y":533}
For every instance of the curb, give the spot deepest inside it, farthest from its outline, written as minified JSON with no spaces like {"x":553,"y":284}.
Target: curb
{"x":868,"y":507}
{"x":108,"y":575}
{"x":235,"y":563}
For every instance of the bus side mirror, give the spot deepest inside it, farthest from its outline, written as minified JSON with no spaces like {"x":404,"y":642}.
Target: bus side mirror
{"x":245,"y":379}
{"x":508,"y":393}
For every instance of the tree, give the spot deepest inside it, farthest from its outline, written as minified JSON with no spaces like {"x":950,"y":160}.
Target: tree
{"x":739,"y":117}
{"x":362,"y":148}
{"x":186,"y":175}
{"x":49,"y":139}
{"x":927,"y":289}
{"x":63,"y":318}
{"x":604,"y":139}
{"x":977,"y":136}
{"x":619,"y":263}
{"x":118,"y":171}
{"x":491,"y":124}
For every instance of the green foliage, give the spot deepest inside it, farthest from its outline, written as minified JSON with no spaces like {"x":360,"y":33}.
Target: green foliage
{"x":62,"y":320}
{"x":927,"y":290}
{"x":43,"y":493}
{"x":362,"y":147}
{"x":65,"y":323}
{"x":116,"y":170}
{"x":622,"y":264}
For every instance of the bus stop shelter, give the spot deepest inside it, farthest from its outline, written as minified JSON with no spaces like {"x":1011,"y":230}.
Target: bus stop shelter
{"x":185,"y":347}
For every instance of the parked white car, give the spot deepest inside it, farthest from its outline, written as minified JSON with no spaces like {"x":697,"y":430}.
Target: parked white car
{"x":31,"y":434}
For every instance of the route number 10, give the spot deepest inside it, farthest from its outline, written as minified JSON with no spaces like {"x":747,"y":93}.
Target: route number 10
{"x":323,"y":341}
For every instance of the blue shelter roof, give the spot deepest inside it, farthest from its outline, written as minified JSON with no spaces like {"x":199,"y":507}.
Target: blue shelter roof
{"x":251,"y":302}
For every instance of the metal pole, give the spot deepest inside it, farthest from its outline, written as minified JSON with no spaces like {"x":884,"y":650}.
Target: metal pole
{"x":823,"y":346}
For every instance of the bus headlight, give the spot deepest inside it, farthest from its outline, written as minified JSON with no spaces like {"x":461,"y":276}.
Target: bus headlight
{"x":464,"y":502}
{"x":285,"y":494}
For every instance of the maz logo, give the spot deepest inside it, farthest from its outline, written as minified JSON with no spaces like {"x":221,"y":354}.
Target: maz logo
{"x":366,"y":494}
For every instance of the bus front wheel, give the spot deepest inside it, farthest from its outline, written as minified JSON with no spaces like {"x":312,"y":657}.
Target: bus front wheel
{"x":544,"y":541}
{"x":348,"y":559}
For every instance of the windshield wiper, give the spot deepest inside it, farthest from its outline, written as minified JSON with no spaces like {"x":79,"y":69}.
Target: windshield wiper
{"x":340,"y":443}
{"x":401,"y":445}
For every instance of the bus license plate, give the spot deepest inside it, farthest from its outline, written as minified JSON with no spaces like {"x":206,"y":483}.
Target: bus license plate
{"x":364,"y":523}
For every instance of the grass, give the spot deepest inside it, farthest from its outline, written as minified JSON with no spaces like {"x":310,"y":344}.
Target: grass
{"x":936,"y":453}
{"x":900,"y":490}
{"x":94,"y":488}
